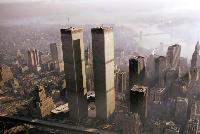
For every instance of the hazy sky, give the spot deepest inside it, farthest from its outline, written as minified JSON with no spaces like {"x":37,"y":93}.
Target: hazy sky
{"x":140,"y":7}
{"x":101,"y":11}
{"x":179,"y":18}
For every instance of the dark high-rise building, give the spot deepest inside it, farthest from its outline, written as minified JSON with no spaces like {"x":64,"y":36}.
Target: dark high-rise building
{"x":171,"y":76}
{"x":103,"y":67}
{"x":150,"y":69}
{"x":74,"y":68}
{"x":139,"y":101}
{"x":57,"y":57}
{"x":160,"y":67}
{"x":121,"y":78}
{"x":181,"y":110}
{"x":183,"y":66}
{"x":89,"y":69}
{"x":136,"y":71}
{"x":56,"y":52}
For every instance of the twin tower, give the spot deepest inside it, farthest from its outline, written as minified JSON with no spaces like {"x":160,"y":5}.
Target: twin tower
{"x":103,"y":67}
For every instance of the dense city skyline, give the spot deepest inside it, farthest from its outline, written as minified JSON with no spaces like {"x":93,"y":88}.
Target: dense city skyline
{"x":99,"y":67}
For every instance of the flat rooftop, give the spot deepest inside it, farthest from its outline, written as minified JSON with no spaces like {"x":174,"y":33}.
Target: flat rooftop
{"x":179,"y":99}
{"x":102,"y":28}
{"x":71,"y":29}
{"x":136,"y":57}
{"x":139,"y":88}
{"x":61,"y":109}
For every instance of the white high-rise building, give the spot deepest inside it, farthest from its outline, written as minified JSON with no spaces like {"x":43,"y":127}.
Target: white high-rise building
{"x":103,"y":67}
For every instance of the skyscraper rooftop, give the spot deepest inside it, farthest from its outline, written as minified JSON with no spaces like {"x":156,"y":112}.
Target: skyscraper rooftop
{"x":139,"y":88}
{"x":102,"y":28}
{"x":71,"y":29}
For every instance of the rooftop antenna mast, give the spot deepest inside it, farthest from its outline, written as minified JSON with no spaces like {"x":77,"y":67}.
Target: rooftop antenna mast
{"x":68,"y":21}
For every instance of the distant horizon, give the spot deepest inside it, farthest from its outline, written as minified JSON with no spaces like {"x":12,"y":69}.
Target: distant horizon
{"x":179,"y":19}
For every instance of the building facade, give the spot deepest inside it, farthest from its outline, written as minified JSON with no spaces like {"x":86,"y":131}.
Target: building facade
{"x":136,"y":71}
{"x":41,"y":105}
{"x":103,"y":67}
{"x":139,"y":101}
{"x":74,"y":68}
{"x":173,"y":56}
{"x":56,"y":52}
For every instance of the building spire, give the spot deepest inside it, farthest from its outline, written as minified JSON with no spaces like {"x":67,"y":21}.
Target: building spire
{"x":197,"y":47}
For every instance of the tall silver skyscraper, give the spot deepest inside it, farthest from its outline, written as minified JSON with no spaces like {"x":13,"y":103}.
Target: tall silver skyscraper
{"x":74,"y":67}
{"x":103,"y":67}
